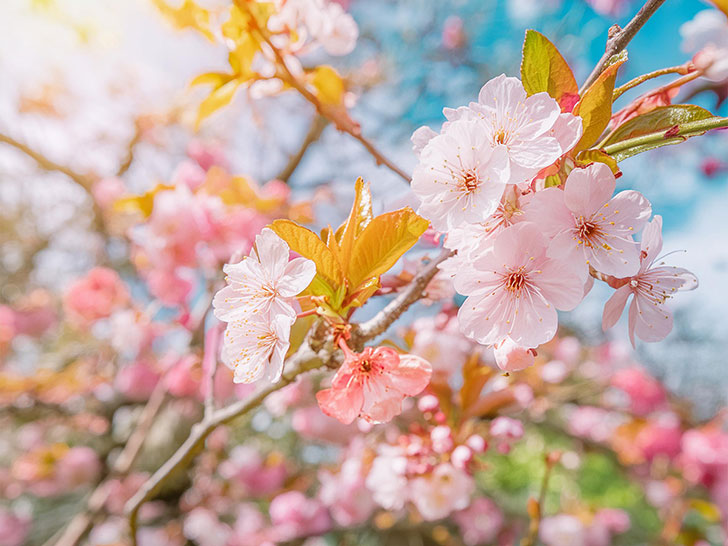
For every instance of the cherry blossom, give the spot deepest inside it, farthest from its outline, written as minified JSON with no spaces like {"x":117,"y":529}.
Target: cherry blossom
{"x":589,"y":228}
{"x":387,"y":478}
{"x":511,"y":357}
{"x":461,"y":176}
{"x":650,"y":288}
{"x":441,"y":492}
{"x":480,"y":522}
{"x":263,"y":283}
{"x":372,"y":385}
{"x":514,"y":290}
{"x":707,"y":35}
{"x":255,"y":347}
{"x":531,"y":130}
{"x":95,"y":295}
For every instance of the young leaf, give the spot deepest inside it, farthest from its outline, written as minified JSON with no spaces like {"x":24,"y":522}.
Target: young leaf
{"x":306,"y":243}
{"x":544,"y":69}
{"x":359,"y":218}
{"x":383,"y":242}
{"x":362,"y":293}
{"x":217,"y":99}
{"x":587,"y":157}
{"x":595,"y":106}
{"x":662,"y":118}
{"x":475,"y":376}
{"x":142,"y":204}
{"x":329,"y":85}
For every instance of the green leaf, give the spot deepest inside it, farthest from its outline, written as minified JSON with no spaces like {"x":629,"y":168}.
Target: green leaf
{"x":544,"y":69}
{"x":662,"y":118}
{"x":595,"y":106}
{"x":383,"y":242}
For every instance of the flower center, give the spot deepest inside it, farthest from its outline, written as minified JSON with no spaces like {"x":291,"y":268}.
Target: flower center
{"x":501,"y":136}
{"x":470,"y":181}
{"x":586,"y":229}
{"x":365,"y":365}
{"x":515,"y":280}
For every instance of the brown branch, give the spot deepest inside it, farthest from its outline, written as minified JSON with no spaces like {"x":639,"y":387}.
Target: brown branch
{"x":314,"y":353}
{"x":47,"y":164}
{"x":619,"y":38}
{"x":82,"y":522}
{"x":130,"y":148}
{"x":336,"y":113}
{"x":314,"y":133}
{"x":384,"y":319}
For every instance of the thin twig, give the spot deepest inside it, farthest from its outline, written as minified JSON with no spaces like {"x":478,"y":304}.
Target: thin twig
{"x":384,"y":319}
{"x":619,"y":39}
{"x":335,"y":113}
{"x":318,"y":125}
{"x":682,"y":69}
{"x":47,"y":164}
{"x":130,"y":148}
{"x":75,"y":531}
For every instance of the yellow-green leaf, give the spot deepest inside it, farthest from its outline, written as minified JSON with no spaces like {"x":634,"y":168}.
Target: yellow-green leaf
{"x":217,"y":99}
{"x":359,"y":218}
{"x":595,"y":106}
{"x":365,"y":291}
{"x":142,"y":204}
{"x":306,"y":243}
{"x":544,"y":69}
{"x":383,"y":242}
{"x":587,"y":157}
{"x":329,"y":85}
{"x":215,"y":79}
{"x":662,"y":118}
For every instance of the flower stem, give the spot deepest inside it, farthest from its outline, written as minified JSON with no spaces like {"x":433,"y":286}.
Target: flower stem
{"x":684,"y":131}
{"x":682,"y":69}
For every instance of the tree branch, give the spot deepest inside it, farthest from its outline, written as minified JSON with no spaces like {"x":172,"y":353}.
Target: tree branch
{"x":314,"y":133}
{"x":314,"y":353}
{"x":384,"y":319}
{"x":82,"y":522}
{"x":47,"y":164}
{"x":337,"y":114}
{"x":619,"y":38}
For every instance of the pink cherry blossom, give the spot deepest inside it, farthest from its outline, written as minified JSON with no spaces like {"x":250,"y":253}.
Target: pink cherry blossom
{"x":453,"y":33}
{"x":562,"y":530}
{"x":461,"y":176}
{"x":255,"y":347}
{"x":95,"y":295}
{"x":475,"y":238}
{"x":646,"y":394}
{"x":650,"y":288}
{"x":514,"y":289}
{"x":293,"y":514}
{"x":79,"y":466}
{"x":531,"y":130}
{"x":441,"y":492}
{"x":258,"y":477}
{"x":14,"y":528}
{"x":707,"y":34}
{"x":387,"y":478}
{"x":372,"y":385}
{"x":263,"y":283}
{"x":589,"y":228}
{"x":511,"y":357}
{"x":344,"y":492}
{"x":480,"y":522}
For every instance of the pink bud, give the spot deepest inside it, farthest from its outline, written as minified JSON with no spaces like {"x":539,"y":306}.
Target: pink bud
{"x":429,"y":403}
{"x":511,"y":357}
{"x":441,"y":437}
{"x":461,"y":457}
{"x":477,"y":443}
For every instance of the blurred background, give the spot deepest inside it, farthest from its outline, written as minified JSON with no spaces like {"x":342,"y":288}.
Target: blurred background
{"x":80,"y":78}
{"x":96,"y":108}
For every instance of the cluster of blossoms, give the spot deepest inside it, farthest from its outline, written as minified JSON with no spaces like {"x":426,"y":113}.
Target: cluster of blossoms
{"x":525,"y":251}
{"x":197,"y":222}
{"x":259,"y":307}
